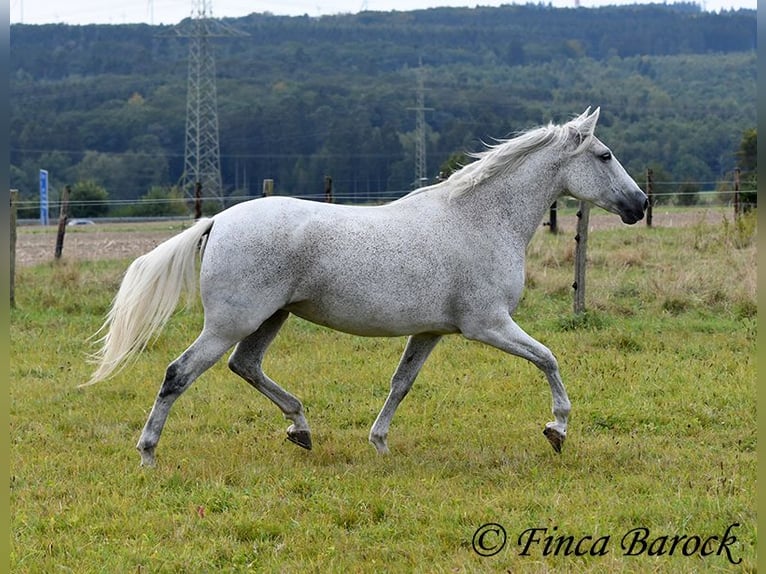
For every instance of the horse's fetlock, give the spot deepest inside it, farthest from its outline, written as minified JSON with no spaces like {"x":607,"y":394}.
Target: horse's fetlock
{"x":379,"y":441}
{"x":147,"y":455}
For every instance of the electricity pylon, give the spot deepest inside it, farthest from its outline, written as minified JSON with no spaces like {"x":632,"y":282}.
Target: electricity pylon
{"x":202,"y":156}
{"x":421,"y":173}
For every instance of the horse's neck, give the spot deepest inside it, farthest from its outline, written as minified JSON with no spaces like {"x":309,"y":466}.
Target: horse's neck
{"x":515,"y":204}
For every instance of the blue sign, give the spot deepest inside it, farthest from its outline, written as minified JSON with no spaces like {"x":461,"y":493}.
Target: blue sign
{"x":43,"y":197}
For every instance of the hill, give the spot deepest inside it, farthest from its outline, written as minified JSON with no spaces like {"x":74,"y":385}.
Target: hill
{"x":302,"y":97}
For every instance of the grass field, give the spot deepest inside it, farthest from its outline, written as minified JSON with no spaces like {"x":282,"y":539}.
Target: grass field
{"x":661,"y":373}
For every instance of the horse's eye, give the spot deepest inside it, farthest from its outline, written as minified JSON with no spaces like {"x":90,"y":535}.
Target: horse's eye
{"x":606,"y":156}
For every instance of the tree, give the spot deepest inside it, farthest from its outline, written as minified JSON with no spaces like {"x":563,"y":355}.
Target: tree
{"x":88,"y":199}
{"x":330,"y":96}
{"x":123,"y":174}
{"x":747,"y":161}
{"x":747,"y":156}
{"x":687,"y":194}
{"x":160,"y":201}
{"x":454,"y":162}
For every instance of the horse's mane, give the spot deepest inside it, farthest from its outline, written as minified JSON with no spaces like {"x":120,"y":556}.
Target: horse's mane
{"x":508,"y":154}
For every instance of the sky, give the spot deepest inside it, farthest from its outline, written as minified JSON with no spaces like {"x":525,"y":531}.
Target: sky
{"x":173,"y":11}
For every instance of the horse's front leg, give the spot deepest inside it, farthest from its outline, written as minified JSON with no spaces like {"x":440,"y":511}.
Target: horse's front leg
{"x":507,"y":336}
{"x":415,"y":354}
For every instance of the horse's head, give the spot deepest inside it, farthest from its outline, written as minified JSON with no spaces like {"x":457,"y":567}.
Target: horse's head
{"x":593,"y":174}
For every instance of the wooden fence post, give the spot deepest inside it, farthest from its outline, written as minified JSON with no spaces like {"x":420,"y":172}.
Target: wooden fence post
{"x":268,"y":187}
{"x":737,"y":205}
{"x":583,"y":215}
{"x":14,"y":207}
{"x":63,"y":216}
{"x":649,"y":195}
{"x":328,"y":189}
{"x":198,"y":200}
{"x":552,"y":221}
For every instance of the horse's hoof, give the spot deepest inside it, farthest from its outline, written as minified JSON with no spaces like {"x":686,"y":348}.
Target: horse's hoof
{"x":554,"y":437}
{"x":147,"y":458}
{"x":380,"y":444}
{"x":300,"y":437}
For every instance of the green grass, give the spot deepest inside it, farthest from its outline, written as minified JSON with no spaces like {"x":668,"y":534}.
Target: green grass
{"x":661,"y":373}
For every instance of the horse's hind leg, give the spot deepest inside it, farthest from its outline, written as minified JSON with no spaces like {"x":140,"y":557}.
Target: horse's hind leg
{"x":180,"y":374}
{"x":246,"y":361}
{"x":415,"y":354}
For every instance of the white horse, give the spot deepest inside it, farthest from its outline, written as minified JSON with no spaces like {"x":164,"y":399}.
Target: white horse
{"x":448,"y":258}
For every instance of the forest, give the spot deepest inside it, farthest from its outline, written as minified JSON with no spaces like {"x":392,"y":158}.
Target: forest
{"x":102,"y":108}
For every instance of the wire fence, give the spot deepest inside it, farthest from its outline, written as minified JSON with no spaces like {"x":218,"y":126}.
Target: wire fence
{"x":717,"y":197}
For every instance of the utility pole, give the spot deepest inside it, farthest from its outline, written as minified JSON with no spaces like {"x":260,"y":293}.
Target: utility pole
{"x":202,"y":156}
{"x":421,"y":173}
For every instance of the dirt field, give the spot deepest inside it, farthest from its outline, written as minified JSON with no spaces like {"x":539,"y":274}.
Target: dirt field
{"x":127,"y":241}
{"x":100,"y":241}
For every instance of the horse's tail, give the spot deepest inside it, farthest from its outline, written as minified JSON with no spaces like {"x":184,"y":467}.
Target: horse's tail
{"x":147,"y":297}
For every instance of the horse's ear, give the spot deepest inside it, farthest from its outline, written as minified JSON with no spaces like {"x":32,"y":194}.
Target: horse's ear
{"x":588,"y":124}
{"x":583,"y":115}
{"x":583,"y":126}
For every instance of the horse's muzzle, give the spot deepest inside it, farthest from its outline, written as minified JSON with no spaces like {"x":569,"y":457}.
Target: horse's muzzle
{"x":634,"y":213}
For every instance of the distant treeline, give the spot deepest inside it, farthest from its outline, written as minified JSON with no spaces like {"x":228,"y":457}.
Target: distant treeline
{"x":300,"y":98}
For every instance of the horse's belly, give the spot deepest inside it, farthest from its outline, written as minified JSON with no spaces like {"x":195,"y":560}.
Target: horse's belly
{"x":371,"y":319}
